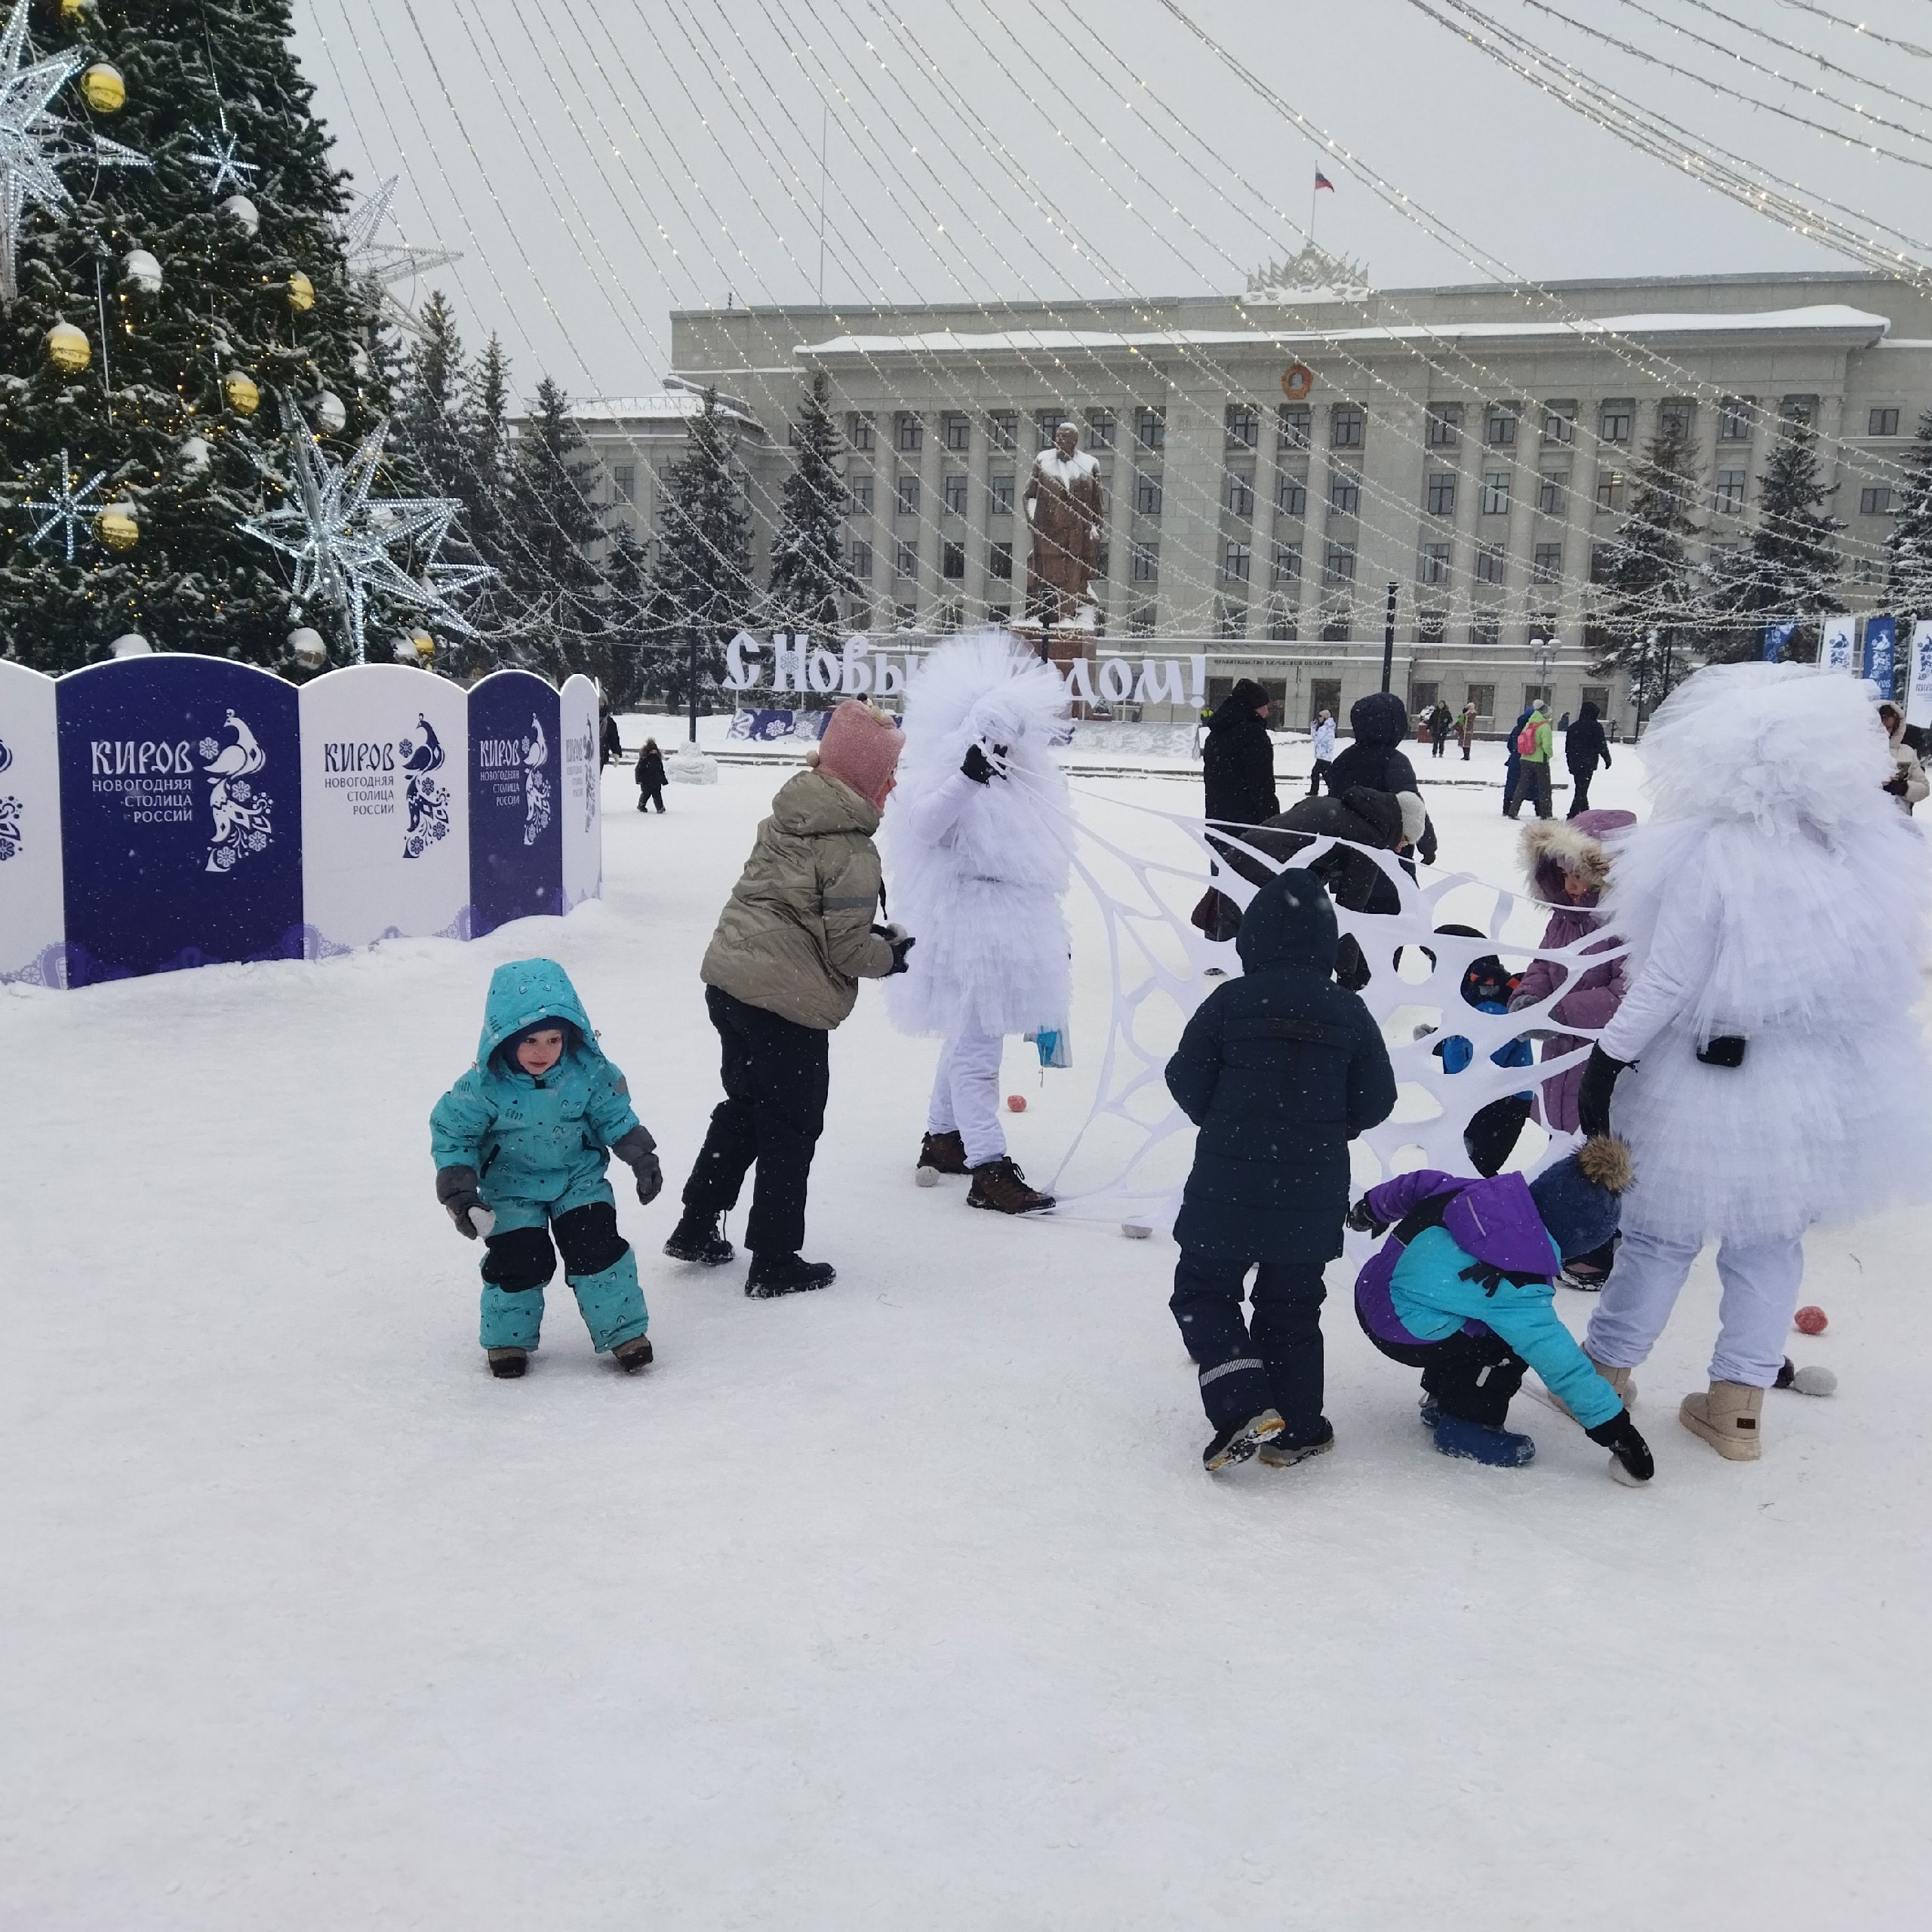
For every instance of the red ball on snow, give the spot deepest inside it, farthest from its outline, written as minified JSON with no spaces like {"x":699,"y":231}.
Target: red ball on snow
{"x":1811,"y":1320}
{"x":1016,"y":1103}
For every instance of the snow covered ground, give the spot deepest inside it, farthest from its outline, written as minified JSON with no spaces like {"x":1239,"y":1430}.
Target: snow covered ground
{"x":906,"y":1605}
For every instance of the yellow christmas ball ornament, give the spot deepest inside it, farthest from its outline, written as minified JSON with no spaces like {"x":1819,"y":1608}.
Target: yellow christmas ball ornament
{"x":423,"y":645}
{"x":72,"y":10}
{"x":117,"y":526}
{"x":102,"y":88}
{"x":243,"y":396}
{"x":68,"y":348}
{"x":301,"y":292}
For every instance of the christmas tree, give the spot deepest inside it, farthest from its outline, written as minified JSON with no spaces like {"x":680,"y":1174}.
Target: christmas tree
{"x":1910,"y":579}
{"x":1791,"y":567}
{"x":167,"y":318}
{"x":809,"y":572}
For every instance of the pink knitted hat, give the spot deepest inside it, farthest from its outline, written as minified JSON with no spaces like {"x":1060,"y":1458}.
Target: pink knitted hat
{"x":860,"y":749}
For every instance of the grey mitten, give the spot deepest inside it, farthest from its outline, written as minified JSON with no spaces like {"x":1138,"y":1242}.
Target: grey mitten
{"x":638,"y":1152}
{"x":456,"y":1189}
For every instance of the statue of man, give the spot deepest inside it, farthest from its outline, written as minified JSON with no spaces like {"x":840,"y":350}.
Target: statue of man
{"x":1064,"y":505}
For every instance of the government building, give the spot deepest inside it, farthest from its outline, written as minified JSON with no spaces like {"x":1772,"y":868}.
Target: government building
{"x":1273,"y":463}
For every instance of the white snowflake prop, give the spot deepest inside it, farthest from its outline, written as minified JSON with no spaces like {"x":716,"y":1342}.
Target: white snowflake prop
{"x":342,"y":539}
{"x":217,"y":158}
{"x":68,"y":506}
{"x":380,"y":265}
{"x":33,"y":141}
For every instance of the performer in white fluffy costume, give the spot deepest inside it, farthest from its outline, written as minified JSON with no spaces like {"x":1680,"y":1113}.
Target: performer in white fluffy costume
{"x":1772,"y":1077}
{"x":979,"y":842}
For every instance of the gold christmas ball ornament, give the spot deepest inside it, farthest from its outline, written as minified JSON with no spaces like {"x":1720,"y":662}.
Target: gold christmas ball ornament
{"x":102,"y":88}
{"x":330,"y":415}
{"x":238,"y":387}
{"x":140,"y":272}
{"x":243,"y":212}
{"x":68,"y":348}
{"x":71,"y":11}
{"x":423,"y":645}
{"x":301,"y":292}
{"x":194,"y":455}
{"x":117,"y":526}
{"x":307,"y":647}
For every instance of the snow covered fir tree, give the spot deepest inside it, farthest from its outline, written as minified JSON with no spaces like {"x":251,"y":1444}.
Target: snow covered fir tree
{"x":170,"y":301}
{"x":1909,"y":577}
{"x":1790,"y":566}
{"x":810,"y":574}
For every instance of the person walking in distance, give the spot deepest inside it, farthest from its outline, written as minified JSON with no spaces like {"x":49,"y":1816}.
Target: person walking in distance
{"x":1321,"y":741}
{"x":649,"y":777}
{"x":1584,"y":747}
{"x":1238,"y":779}
{"x":1534,"y":741}
{"x":1442,"y":722}
{"x":1465,"y":728}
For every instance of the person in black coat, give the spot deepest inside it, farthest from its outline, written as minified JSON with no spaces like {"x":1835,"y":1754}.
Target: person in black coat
{"x":649,"y":777}
{"x":1584,"y":747}
{"x":1380,"y":722}
{"x":1280,"y":1069}
{"x":610,"y":745}
{"x":1238,"y":771}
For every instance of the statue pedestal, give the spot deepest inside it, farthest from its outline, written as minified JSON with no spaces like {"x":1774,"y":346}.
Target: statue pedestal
{"x":688,"y":765}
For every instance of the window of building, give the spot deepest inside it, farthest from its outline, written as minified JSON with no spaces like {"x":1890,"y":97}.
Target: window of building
{"x":956,"y":427}
{"x":1882,"y":423}
{"x":1100,"y":560}
{"x":1603,"y":562}
{"x":859,"y":431}
{"x":1802,"y":409}
{"x":1422,"y":696}
{"x":1003,"y":429}
{"x":1141,"y":619}
{"x":1616,"y":419}
{"x":1483,"y":697}
{"x":1001,"y":490}
{"x":908,"y":495}
{"x":1230,"y":618}
{"x":1553,"y":493}
{"x":862,"y":494}
{"x":1559,"y":422}
{"x":1499,"y":426}
{"x":1100,"y":429}
{"x":1348,"y":425}
{"x":1610,"y":489}
{"x":1432,"y":625}
{"x":861,"y":554}
{"x":1337,"y":624}
{"x":1242,"y":424}
{"x":1144,"y":563}
{"x":1597,"y":695}
{"x":1237,"y":560}
{"x":1875,"y":501}
{"x":623,"y":483}
{"x":905,"y":557}
{"x":954,"y":486}
{"x":1491,"y":563}
{"x":1046,"y":426}
{"x":999,"y":561}
{"x":1728,"y":496}
{"x":909,"y":429}
{"x":1676,"y":419}
{"x":1287,"y":570}
{"x":1441,"y":493}
{"x":1547,"y":567}
{"x":953,"y":560}
{"x":1496,"y":493}
{"x":1535,"y":694}
{"x":1344,"y":493}
{"x":1432,"y":566}
{"x":1338,"y":564}
{"x":1146,"y":493}
{"x":1445,"y":424}
{"x":1239,"y":496}
{"x":1734,"y":416}
{"x":1294,"y":425}
{"x":1291,"y":494}
{"x":1282,"y":628}
{"x":1150,"y":428}
{"x":1485,"y":630}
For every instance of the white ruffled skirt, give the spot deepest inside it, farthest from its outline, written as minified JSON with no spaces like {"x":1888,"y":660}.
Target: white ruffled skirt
{"x":994,"y":958}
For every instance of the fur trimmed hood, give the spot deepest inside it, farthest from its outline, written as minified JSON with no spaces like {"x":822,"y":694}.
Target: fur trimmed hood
{"x":1553,"y":846}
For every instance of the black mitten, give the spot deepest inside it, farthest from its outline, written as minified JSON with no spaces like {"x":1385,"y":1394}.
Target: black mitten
{"x":980,"y":769}
{"x":1619,"y":1435}
{"x":1600,"y":1073}
{"x":900,"y":947}
{"x":1364,"y":1220}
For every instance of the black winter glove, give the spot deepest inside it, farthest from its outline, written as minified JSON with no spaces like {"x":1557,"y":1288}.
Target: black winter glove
{"x":638,"y":1152}
{"x":456,"y":1189}
{"x":1363,"y":1219}
{"x":1619,"y":1435}
{"x":900,"y":947}
{"x":1600,"y":1073}
{"x":980,"y":769}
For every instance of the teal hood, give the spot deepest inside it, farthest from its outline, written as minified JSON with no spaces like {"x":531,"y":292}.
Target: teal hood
{"x":525,"y":991}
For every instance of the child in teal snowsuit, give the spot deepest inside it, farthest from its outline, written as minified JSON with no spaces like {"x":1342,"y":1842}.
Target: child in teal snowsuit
{"x":521,"y":1144}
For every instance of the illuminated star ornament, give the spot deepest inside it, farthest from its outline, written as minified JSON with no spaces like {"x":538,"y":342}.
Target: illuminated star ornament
{"x":217,"y":159}
{"x":380,"y":265}
{"x":69,"y":506}
{"x":342,"y":539}
{"x":33,"y":141}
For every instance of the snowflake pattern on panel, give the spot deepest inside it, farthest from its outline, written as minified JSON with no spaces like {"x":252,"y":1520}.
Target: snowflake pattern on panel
{"x":536,"y":784}
{"x":429,"y":802}
{"x":243,"y":824}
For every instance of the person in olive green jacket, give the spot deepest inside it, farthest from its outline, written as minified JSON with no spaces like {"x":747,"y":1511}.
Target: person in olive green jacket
{"x":1533,"y":742}
{"x":795,"y":938}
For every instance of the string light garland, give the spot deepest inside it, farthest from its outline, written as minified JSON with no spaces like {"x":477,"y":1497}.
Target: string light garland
{"x":1859,"y":27}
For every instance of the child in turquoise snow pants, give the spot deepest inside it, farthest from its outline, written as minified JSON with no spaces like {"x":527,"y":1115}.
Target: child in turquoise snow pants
{"x":521,"y":1144}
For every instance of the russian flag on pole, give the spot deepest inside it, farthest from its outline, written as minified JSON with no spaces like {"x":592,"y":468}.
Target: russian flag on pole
{"x":1322,"y":181}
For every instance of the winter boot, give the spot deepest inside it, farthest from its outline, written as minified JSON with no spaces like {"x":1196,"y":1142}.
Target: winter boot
{"x":772,"y":1275}
{"x":506,"y":1364}
{"x":1807,"y":1381}
{"x":940,"y":1154}
{"x":1279,"y":1453}
{"x":1239,"y":1440}
{"x":1619,"y":1379}
{"x":1500,"y":1448}
{"x":633,"y":1355}
{"x":700,"y":1237}
{"x":1000,"y":1185}
{"x":1727,"y":1418}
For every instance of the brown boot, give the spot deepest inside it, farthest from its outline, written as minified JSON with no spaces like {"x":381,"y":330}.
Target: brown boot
{"x":632,"y":1356}
{"x":1619,"y":1379}
{"x":1000,"y":1185}
{"x":943,"y":1154}
{"x":1727,"y":1418}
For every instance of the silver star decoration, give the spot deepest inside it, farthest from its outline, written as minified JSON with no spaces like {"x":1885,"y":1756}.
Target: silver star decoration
{"x":33,"y":143}
{"x":69,"y":506}
{"x":380,"y":265}
{"x":218,"y":158}
{"x":341,"y":539}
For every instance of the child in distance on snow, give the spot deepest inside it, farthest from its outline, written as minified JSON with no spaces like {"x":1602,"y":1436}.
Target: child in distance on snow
{"x":1462,"y":1290}
{"x":521,"y":1144}
{"x":1280,"y":1069}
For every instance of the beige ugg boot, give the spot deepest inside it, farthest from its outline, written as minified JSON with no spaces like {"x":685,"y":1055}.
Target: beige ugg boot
{"x":1727,"y":1418}
{"x":1619,"y":1379}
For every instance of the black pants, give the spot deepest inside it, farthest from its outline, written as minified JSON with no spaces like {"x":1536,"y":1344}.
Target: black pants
{"x":1579,"y":790}
{"x":776,"y":1075}
{"x":1532,"y":782}
{"x":1471,"y":1376}
{"x":1315,"y":776}
{"x":1276,"y":1362}
{"x":648,"y":796}
{"x":1439,"y":743}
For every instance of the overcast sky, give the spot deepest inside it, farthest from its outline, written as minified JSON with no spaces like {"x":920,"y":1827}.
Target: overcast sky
{"x":601,"y":162}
